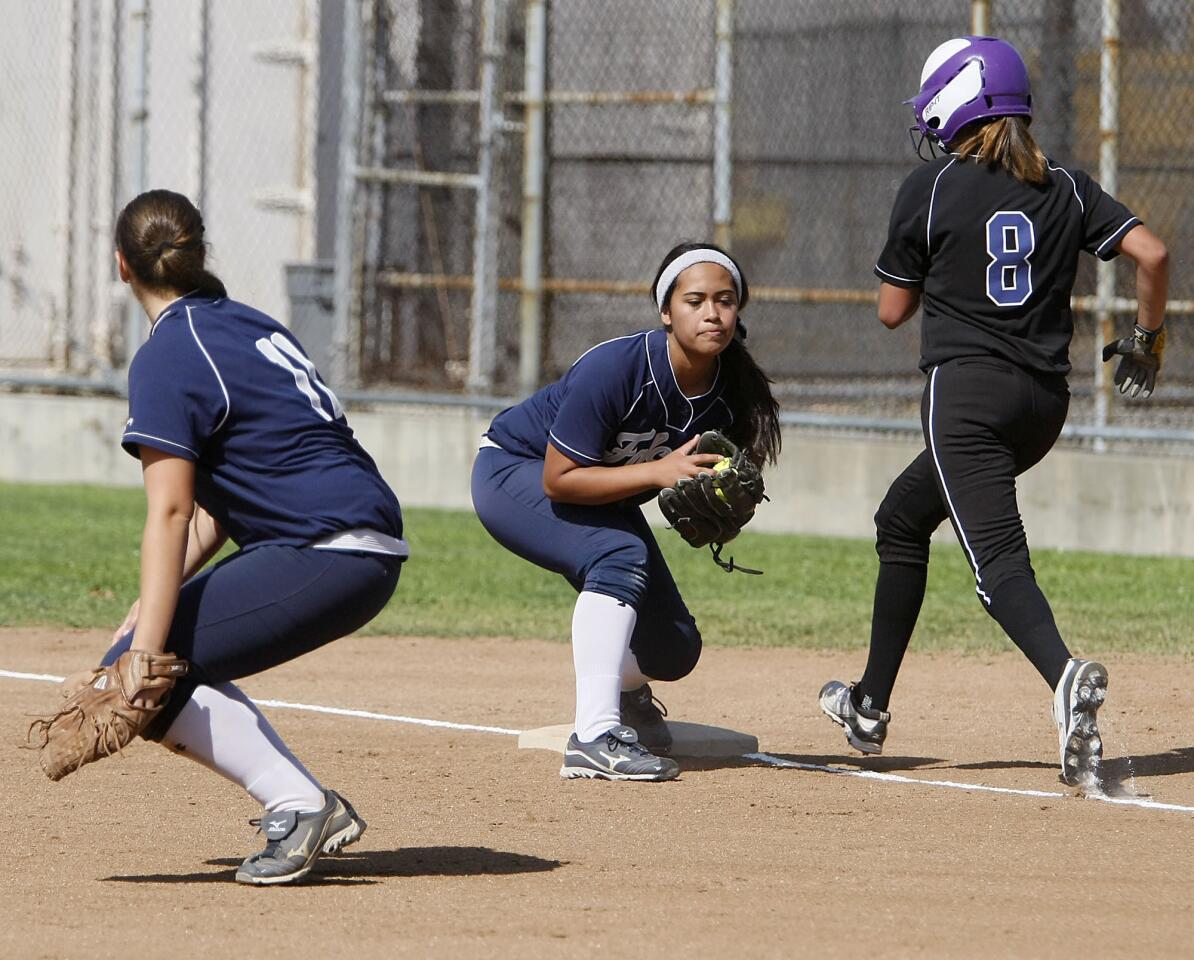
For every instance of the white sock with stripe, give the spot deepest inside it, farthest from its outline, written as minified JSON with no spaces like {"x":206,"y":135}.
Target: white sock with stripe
{"x":601,"y":629}
{"x":222,"y":729}
{"x":632,"y":674}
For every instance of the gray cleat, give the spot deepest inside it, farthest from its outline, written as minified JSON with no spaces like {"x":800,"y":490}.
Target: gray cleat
{"x":615,"y":755}
{"x":642,"y":711}
{"x":866,"y":729}
{"x":1076,"y":701}
{"x":295,"y":840}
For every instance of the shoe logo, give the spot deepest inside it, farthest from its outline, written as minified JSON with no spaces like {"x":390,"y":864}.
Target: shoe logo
{"x":303,"y":851}
{"x":277,"y":824}
{"x":611,"y":759}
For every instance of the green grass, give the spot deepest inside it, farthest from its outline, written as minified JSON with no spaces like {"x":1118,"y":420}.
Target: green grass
{"x":68,"y":557}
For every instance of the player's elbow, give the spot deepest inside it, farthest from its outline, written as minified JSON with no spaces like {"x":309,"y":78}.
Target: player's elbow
{"x":1157,"y":258}
{"x":1146,"y":249}
{"x":892,"y":316}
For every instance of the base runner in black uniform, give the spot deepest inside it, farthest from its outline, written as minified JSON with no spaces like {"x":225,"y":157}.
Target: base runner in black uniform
{"x":987,"y":237}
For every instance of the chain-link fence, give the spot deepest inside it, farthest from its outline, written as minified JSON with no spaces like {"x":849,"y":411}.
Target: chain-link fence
{"x":104,"y":98}
{"x":472,"y":192}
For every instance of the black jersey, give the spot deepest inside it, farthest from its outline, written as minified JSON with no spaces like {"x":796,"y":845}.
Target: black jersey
{"x":997,"y":257}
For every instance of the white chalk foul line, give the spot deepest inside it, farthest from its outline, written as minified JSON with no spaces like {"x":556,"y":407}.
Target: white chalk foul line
{"x":759,"y":757}
{"x":369,"y":715}
{"x":969,"y":787}
{"x":316,"y":708}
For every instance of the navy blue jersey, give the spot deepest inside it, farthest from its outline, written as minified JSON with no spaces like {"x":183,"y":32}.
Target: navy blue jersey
{"x":227,"y":387}
{"x":618,"y":404}
{"x":997,"y":258}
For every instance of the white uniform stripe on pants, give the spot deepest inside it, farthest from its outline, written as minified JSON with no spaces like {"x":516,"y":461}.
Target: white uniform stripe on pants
{"x":949,"y":503}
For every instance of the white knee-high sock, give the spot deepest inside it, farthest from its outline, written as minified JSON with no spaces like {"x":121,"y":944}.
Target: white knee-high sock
{"x":632,"y":674}
{"x":601,"y":629}
{"x":222,"y":729}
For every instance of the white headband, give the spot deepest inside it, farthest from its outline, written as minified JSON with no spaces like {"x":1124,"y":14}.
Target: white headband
{"x":686,"y":260}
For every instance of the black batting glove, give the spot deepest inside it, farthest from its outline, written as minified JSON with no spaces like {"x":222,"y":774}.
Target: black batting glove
{"x":1140,"y":360}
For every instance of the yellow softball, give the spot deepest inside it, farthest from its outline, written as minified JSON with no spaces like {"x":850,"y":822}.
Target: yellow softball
{"x":722,"y":464}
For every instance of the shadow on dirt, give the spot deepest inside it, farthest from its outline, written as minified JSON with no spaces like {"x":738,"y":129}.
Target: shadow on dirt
{"x":1178,"y":760}
{"x":368,"y":866}
{"x":876,"y":764}
{"x":1004,"y":765}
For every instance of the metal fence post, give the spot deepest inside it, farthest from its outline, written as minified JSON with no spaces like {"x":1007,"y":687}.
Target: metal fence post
{"x":346,"y":197}
{"x":723,"y":84}
{"x":199,"y":85}
{"x":533,"y":177}
{"x":60,"y":343}
{"x":1109,"y":179}
{"x":980,"y":18}
{"x":134,"y":319}
{"x":482,"y":359}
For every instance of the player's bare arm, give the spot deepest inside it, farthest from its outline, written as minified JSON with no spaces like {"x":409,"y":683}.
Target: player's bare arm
{"x":170,"y":496}
{"x":1149,"y":253}
{"x":566,"y":481}
{"x":204,"y":541}
{"x":897,"y":305}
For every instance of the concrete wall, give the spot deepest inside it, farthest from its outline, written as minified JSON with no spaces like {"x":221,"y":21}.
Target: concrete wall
{"x":825,"y":484}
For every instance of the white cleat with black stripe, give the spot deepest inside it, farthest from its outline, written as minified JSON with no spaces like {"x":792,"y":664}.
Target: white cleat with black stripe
{"x":1076,"y":701}
{"x":615,"y":755}
{"x":866,"y":729}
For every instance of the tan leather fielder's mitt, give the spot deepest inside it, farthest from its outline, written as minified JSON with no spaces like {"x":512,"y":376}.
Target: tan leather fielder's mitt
{"x":105,"y":709}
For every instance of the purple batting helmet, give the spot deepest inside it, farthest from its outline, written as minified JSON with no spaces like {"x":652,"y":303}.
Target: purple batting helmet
{"x":967,"y":79}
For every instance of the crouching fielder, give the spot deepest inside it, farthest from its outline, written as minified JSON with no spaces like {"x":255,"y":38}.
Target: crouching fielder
{"x":559,"y":479}
{"x":238,"y":438}
{"x":989,"y":236}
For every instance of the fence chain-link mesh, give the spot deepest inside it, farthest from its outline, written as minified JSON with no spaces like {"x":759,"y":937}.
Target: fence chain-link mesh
{"x":633,"y":159}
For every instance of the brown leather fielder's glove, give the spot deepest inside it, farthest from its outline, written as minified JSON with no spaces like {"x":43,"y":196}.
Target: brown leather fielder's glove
{"x":105,"y":709}
{"x":710,"y":508}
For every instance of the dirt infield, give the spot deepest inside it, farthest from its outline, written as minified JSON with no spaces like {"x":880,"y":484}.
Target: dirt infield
{"x":477,"y":849}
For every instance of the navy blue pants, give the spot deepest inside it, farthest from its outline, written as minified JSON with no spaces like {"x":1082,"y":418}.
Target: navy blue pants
{"x":605,"y":549}
{"x":262,"y":607}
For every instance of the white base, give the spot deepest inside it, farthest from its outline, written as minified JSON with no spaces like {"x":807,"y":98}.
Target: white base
{"x":688,"y":740}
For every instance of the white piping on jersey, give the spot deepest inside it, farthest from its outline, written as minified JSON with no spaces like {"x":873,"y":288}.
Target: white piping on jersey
{"x":932,"y":197}
{"x":1074,"y":183}
{"x":168,"y":309}
{"x":561,"y":443}
{"x":722,"y":401}
{"x":978,"y":580}
{"x":896,"y":276}
{"x":1130,"y":222}
{"x":629,"y":336}
{"x":150,"y":436}
{"x":688,"y":400}
{"x":219,"y":379}
{"x":636,"y":400}
{"x":704,"y":413}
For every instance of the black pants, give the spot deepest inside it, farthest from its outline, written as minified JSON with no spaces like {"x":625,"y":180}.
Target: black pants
{"x":985,"y":422}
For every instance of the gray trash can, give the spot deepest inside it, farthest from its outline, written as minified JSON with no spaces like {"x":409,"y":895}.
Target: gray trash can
{"x":310,"y":288}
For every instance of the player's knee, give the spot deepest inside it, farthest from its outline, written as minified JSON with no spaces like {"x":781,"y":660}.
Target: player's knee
{"x":673,"y":655}
{"x":897,"y":539}
{"x":996,"y":575}
{"x":621,"y":574}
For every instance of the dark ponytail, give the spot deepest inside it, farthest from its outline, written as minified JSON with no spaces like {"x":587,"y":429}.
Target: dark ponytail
{"x":747,"y":388}
{"x":160,"y":234}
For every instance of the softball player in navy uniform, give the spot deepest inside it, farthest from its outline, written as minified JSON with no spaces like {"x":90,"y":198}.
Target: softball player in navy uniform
{"x":559,"y":478}
{"x":987,"y":238}
{"x":240,"y":439}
